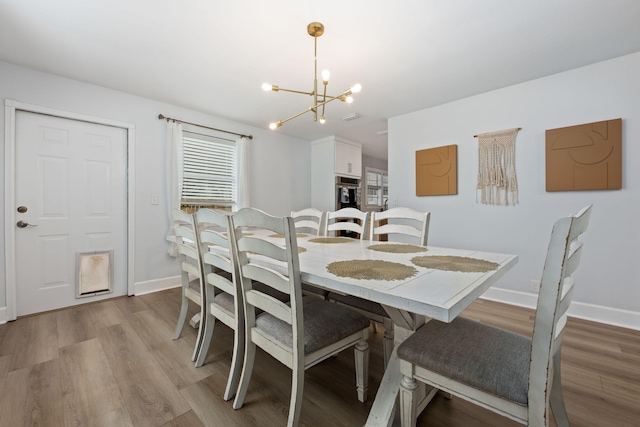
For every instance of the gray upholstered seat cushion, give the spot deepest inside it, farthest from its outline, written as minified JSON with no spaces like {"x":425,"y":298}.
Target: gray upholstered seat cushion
{"x":226,"y":301}
{"x":194,"y":285}
{"x":324,"y":323}
{"x":359,"y":303}
{"x":481,"y":356}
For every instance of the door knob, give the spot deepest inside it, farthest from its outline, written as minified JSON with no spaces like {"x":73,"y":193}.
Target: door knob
{"x":22,"y":224}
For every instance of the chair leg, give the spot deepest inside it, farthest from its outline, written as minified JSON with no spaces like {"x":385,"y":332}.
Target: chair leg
{"x":388,"y":341}
{"x":556,"y":400}
{"x":297,"y":387}
{"x":206,"y":340}
{"x":182,"y":317}
{"x":236,"y":362}
{"x":362,"y":370}
{"x":201,"y":330}
{"x":245,"y":377}
{"x":408,"y":402}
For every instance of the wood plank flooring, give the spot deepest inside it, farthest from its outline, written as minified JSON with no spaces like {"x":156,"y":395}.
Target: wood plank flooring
{"x":114,"y":363}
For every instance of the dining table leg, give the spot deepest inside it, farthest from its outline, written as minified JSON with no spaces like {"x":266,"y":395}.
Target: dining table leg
{"x":383,"y":411}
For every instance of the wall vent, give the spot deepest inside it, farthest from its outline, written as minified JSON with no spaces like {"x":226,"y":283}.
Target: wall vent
{"x":350,"y":117}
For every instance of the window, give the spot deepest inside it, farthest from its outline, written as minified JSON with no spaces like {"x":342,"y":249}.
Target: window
{"x":377,"y":188}
{"x":210,"y":178}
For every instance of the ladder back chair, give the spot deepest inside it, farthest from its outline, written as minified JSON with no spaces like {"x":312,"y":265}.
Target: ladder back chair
{"x":299,"y":334}
{"x":405,"y":221}
{"x":190,"y":271}
{"x":309,"y":219}
{"x":221,"y":290}
{"x":315,"y":220}
{"x":349,"y":220}
{"x":507,"y":373}
{"x":414,"y":224}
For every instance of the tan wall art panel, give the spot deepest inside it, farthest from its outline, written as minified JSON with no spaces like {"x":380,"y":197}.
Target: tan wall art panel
{"x":437,"y":171}
{"x":585,"y":157}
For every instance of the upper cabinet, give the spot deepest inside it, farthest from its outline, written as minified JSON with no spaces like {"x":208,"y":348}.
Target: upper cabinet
{"x":348,"y":160}
{"x":330,"y":157}
{"x":337,"y":156}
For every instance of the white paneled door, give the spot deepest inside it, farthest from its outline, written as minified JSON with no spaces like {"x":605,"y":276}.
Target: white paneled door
{"x":70,"y":198}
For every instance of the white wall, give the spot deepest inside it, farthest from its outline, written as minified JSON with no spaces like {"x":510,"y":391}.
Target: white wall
{"x":373,"y":162}
{"x":608,"y":284}
{"x":280,"y":177}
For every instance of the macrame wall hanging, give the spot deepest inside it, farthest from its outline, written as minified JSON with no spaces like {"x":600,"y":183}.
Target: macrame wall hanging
{"x":497,"y":183}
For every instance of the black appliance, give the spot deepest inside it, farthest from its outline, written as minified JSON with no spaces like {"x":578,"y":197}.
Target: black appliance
{"x":347,"y":192}
{"x":347,"y":196}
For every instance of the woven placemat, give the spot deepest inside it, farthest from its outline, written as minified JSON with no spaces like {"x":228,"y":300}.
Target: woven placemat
{"x":369,"y":269}
{"x":281,"y":236}
{"x":455,"y":263}
{"x":331,"y":240}
{"x":398,"y":248}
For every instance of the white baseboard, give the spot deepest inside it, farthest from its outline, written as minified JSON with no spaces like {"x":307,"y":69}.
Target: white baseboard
{"x":156,"y":285}
{"x":592,"y":312}
{"x":141,"y":288}
{"x":595,"y":313}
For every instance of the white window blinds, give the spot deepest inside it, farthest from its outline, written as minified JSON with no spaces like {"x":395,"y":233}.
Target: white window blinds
{"x":210,"y":176}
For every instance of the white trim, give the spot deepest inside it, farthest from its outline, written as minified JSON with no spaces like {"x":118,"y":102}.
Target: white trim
{"x":140,"y":288}
{"x":580,"y":310}
{"x":155,"y":285}
{"x":11,"y":107}
{"x":595,"y":313}
{"x":9,"y":211}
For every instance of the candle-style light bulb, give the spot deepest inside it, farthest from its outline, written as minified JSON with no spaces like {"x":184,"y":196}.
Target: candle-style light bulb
{"x":267,"y":87}
{"x":325,"y":76}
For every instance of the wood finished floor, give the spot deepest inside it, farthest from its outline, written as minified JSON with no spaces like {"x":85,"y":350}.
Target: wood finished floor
{"x":114,"y":364}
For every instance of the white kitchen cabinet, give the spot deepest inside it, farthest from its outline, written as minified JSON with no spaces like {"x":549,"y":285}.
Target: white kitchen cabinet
{"x":348,"y":161}
{"x":331,"y":157}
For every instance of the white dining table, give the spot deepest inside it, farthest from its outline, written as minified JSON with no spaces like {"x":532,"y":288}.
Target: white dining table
{"x":429,"y":293}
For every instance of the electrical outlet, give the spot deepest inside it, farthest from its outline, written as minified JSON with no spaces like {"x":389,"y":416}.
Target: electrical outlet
{"x":534,"y":286}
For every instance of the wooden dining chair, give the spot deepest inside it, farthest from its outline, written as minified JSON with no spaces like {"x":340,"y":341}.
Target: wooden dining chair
{"x":302,"y":333}
{"x":507,"y":373}
{"x":349,"y":220}
{"x":221,"y":290}
{"x":401,"y":221}
{"x":309,"y":219}
{"x":314,"y":220}
{"x":190,"y":271}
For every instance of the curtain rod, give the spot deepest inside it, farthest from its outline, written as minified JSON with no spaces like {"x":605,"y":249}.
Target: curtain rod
{"x":160,"y":116}
{"x":475,"y":136}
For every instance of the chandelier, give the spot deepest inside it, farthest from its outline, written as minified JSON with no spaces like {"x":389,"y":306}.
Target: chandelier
{"x":315,"y":29}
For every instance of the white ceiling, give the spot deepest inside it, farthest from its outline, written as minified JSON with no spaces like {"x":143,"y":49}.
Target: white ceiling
{"x":213,"y":56}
